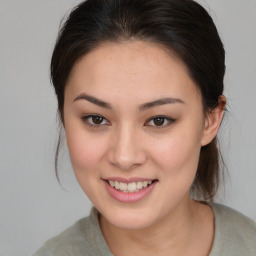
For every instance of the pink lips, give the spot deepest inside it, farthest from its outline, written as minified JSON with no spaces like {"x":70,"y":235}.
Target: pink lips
{"x":127,"y":197}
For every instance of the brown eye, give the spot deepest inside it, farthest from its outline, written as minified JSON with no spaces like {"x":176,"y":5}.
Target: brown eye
{"x":159,"y":121}
{"x":97,"y":119}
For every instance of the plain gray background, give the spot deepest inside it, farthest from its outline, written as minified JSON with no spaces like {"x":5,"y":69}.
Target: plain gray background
{"x":33,"y":205}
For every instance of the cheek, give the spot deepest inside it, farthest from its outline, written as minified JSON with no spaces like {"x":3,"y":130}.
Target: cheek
{"x":177,"y":160}
{"x":86,"y":154}
{"x":86,"y":151}
{"x":179,"y":152}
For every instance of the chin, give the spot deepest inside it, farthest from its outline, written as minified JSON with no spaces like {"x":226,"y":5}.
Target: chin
{"x":130,"y":218}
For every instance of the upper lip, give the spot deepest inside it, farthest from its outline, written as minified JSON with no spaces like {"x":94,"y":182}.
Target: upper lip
{"x":125,"y":180}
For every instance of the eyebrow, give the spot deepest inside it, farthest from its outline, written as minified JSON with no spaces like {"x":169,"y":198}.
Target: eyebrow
{"x":159,"y":102}
{"x":142,"y":107}
{"x":93,"y":100}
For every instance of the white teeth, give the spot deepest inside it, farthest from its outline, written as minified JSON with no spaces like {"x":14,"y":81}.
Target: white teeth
{"x":123,"y":186}
{"x":117,"y":185}
{"x":139,"y":185}
{"x":129,"y":187}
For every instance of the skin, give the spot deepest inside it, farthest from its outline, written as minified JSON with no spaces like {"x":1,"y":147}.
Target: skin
{"x":128,"y":144}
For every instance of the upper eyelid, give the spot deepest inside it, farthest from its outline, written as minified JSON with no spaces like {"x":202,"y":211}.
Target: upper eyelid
{"x":161,"y":116}
{"x":92,"y":115}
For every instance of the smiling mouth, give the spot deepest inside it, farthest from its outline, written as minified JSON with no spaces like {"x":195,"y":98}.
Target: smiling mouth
{"x":131,"y":187}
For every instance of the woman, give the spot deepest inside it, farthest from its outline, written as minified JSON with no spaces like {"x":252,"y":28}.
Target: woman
{"x":140,"y":94}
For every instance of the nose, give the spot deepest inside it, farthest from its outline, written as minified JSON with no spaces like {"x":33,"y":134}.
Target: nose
{"x":126,"y":149}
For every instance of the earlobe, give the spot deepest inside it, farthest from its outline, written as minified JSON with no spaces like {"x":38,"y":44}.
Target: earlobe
{"x":212,"y":121}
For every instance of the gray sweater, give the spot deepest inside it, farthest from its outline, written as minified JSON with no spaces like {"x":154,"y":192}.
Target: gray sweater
{"x":235,"y":235}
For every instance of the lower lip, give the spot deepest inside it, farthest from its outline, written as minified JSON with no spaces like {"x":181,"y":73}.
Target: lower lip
{"x":129,"y":197}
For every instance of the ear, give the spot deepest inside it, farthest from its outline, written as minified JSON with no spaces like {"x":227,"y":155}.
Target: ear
{"x":212,"y":121}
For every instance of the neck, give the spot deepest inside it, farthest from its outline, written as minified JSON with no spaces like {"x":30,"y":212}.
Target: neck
{"x":166,"y":237}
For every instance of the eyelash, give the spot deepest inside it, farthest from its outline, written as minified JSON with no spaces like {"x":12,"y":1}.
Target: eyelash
{"x":167,"y":119}
{"x":86,"y":118}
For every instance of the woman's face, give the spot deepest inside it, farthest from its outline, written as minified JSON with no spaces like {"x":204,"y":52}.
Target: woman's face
{"x":135,"y":124}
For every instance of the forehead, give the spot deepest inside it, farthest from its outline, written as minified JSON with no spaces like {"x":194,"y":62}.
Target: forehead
{"x":138,"y":69}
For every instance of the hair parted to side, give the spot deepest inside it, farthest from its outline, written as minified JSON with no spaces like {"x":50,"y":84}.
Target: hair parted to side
{"x":182,"y":26}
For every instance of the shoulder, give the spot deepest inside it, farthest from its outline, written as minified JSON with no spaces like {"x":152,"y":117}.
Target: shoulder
{"x":84,"y":238}
{"x":235,"y":234}
{"x":67,"y":241}
{"x":234,"y":220}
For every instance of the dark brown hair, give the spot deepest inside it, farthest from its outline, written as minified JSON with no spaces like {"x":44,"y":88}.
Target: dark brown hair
{"x":183,"y":26}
